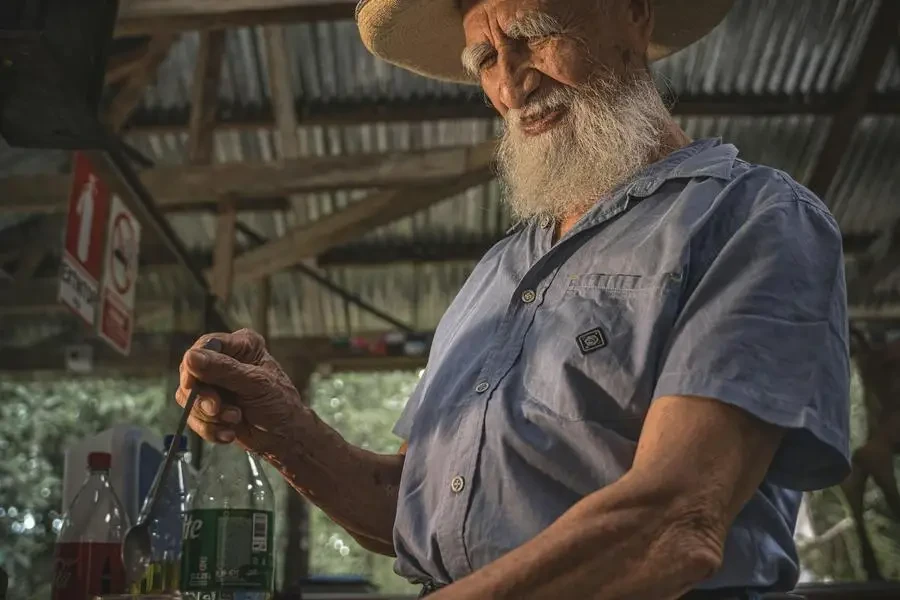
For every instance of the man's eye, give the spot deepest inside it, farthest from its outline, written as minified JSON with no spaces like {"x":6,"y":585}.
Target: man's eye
{"x":487,"y":62}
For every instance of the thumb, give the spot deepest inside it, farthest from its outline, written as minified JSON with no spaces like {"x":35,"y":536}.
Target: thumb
{"x":246,"y":381}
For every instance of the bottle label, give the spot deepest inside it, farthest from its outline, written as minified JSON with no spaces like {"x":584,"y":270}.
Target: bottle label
{"x":227,"y":553}
{"x":83,"y":570}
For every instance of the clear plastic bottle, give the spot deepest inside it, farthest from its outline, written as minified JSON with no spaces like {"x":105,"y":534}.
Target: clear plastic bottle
{"x":227,"y":550}
{"x":165,"y":524}
{"x":88,"y":553}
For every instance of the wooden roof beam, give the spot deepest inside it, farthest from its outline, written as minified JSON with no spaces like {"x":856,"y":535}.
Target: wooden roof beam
{"x":133,"y":87}
{"x":141,"y":17}
{"x":281,"y":90}
{"x":201,"y":146}
{"x":308,"y":241}
{"x":204,"y":97}
{"x":201,"y":187}
{"x":151,"y":355}
{"x":338,"y":113}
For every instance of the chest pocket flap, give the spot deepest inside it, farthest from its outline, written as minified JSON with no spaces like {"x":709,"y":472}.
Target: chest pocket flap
{"x":593,"y":349}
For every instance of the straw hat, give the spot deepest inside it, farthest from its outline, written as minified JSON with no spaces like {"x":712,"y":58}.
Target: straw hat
{"x":426,"y":36}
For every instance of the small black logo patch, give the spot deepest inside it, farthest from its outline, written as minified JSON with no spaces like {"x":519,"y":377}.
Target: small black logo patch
{"x":591,"y":340}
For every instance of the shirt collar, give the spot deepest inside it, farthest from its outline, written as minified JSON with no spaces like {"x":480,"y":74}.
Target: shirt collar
{"x":702,"y":158}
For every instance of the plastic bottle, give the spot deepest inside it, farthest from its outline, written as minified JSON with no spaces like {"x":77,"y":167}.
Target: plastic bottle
{"x":88,"y":554}
{"x":166,"y":522}
{"x":227,"y":550}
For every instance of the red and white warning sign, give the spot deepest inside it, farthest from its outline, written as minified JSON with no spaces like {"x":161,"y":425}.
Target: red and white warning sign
{"x":82,"y":262}
{"x":123,"y":242}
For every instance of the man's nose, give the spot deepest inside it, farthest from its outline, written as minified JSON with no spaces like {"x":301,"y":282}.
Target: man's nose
{"x":518,"y":78}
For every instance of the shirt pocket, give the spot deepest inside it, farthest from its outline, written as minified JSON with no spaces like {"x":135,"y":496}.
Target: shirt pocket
{"x":594,"y":347}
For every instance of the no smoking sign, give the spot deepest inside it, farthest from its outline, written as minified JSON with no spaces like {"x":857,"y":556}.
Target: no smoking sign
{"x":123,"y":253}
{"x":123,"y":242}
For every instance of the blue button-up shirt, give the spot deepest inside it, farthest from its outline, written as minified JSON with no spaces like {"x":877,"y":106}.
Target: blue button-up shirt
{"x":706,"y":276}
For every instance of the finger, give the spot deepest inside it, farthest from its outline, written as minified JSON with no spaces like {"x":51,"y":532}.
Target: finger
{"x":209,"y":406}
{"x":244,"y":345}
{"x":223,"y":371}
{"x":211,"y":431}
{"x":208,"y":402}
{"x":211,"y":428}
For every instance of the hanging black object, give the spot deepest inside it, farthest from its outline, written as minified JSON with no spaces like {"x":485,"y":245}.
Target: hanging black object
{"x":53,"y":56}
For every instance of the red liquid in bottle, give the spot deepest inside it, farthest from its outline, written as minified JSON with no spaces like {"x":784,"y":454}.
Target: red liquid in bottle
{"x":88,"y":554}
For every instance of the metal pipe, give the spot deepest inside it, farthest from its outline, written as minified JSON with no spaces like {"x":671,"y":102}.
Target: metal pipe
{"x":121,"y":176}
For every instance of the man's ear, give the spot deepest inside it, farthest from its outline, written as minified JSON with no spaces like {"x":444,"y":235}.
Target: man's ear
{"x":641,"y":14}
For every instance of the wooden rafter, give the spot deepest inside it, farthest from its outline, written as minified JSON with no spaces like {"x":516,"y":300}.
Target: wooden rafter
{"x":860,"y":88}
{"x":157,"y":16}
{"x":338,"y":113}
{"x":307,"y":241}
{"x":201,"y":187}
{"x":311,"y":271}
{"x":282,"y":93}
{"x":126,"y":64}
{"x":151,"y":355}
{"x":204,"y":97}
{"x":132,"y":89}
{"x":37,"y":297}
{"x":157,"y":258}
{"x":204,"y":102}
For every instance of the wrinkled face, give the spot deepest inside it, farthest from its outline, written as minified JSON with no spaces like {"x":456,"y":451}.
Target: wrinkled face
{"x":571,"y":81}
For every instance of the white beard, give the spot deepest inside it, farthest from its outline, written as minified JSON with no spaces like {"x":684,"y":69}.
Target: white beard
{"x":611,"y":130}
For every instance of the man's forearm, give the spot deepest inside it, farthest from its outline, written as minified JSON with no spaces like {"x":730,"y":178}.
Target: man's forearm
{"x":620,"y":542}
{"x":356,"y":488}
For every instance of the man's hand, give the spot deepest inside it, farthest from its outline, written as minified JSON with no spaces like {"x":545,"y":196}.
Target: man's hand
{"x":244,"y":393}
{"x":246,"y":396}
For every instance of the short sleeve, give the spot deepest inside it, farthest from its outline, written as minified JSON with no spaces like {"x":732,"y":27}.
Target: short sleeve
{"x":764,"y":328}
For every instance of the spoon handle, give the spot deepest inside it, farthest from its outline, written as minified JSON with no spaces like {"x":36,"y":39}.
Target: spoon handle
{"x":215,"y":346}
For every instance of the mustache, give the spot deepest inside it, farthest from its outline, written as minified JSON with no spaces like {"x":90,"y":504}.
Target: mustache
{"x":540,"y":103}
{"x":602,"y":88}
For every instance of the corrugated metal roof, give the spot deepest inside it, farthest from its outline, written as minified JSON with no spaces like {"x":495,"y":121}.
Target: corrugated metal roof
{"x":762,"y":47}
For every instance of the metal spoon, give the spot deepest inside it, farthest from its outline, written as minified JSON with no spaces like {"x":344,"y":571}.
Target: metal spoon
{"x":136,"y":548}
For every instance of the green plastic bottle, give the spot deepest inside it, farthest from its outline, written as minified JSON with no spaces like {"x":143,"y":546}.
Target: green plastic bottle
{"x":227,"y":550}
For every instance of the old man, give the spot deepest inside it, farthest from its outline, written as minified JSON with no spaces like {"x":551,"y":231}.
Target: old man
{"x":632,"y":389}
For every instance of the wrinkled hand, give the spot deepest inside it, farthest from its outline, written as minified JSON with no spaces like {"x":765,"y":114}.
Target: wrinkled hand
{"x":243,"y":394}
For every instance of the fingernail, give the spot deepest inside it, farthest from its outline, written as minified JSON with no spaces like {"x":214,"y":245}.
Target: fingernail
{"x":208,"y":406}
{"x":231,"y":415}
{"x":226,"y":436}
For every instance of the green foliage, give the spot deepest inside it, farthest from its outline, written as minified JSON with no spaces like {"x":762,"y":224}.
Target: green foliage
{"x":837,"y":558}
{"x":364,"y":408}
{"x":37,"y":419}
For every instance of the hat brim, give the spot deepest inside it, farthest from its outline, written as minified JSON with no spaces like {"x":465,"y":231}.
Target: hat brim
{"x":426,"y":36}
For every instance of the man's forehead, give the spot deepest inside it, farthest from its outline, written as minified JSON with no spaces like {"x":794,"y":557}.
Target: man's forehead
{"x":512,"y":5}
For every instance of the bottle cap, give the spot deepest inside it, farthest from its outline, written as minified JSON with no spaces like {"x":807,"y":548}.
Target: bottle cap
{"x":182,"y":442}
{"x":99,"y":461}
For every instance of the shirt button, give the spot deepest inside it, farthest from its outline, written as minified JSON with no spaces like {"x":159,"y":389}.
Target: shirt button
{"x":457,"y":484}
{"x":545,"y":222}
{"x":528,"y":296}
{"x":482,"y":387}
